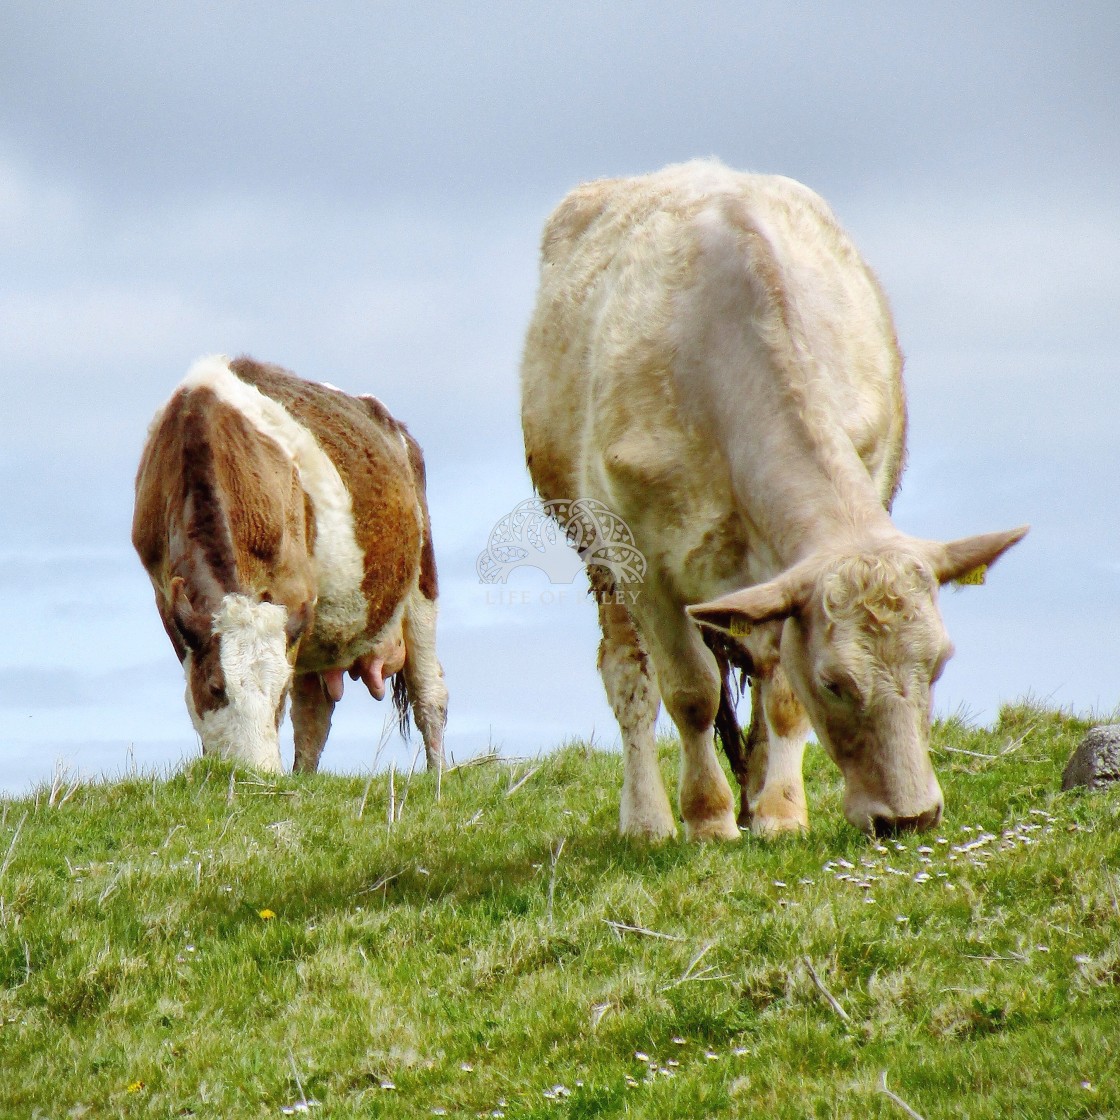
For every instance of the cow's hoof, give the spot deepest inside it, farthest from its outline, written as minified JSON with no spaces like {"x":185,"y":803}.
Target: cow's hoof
{"x":723,"y":827}
{"x":645,"y":815}
{"x":768,"y":827}
{"x":647,"y":828}
{"x":779,"y":811}
{"x":647,"y":834}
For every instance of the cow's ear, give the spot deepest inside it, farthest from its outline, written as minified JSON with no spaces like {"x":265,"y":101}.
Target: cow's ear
{"x":738,"y":612}
{"x":298,"y":621}
{"x":192,"y":626}
{"x":966,"y":560}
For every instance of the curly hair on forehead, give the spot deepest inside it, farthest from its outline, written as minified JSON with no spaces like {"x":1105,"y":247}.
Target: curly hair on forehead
{"x":885,"y":586}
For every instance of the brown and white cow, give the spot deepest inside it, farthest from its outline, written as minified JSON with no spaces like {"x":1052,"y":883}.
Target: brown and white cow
{"x":285,"y":530}
{"x":711,"y":358}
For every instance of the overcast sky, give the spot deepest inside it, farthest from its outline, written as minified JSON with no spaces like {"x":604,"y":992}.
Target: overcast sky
{"x":356,"y":191}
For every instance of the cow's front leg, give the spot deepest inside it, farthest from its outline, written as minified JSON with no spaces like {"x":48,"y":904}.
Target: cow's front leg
{"x":312,"y":709}
{"x":776,"y":790}
{"x":689,"y":681}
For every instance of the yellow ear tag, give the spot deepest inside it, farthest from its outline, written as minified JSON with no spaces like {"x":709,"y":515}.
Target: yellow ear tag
{"x":972,"y":578}
{"x":739,"y":628}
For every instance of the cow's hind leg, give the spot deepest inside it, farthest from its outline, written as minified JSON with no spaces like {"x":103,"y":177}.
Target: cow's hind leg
{"x":632,"y":694}
{"x":423,"y":675}
{"x":312,"y":709}
{"x":779,"y":729}
{"x":689,"y":680}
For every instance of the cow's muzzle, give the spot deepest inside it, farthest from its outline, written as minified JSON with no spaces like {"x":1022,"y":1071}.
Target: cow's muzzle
{"x":891,"y":826}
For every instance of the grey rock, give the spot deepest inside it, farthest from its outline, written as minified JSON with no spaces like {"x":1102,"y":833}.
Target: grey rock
{"x":1096,"y":762}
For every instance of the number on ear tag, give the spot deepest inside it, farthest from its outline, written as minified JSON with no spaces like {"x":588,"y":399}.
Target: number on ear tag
{"x":739,"y":628}
{"x":972,"y":578}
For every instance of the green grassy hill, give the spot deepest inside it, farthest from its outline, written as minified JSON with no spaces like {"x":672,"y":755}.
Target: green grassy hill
{"x":218,"y":945}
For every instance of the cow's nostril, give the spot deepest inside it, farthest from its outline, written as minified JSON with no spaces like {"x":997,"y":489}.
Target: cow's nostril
{"x":892,"y":826}
{"x":930,"y":819}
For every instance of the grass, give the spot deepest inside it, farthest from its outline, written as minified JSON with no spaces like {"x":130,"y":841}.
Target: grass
{"x":218,"y":945}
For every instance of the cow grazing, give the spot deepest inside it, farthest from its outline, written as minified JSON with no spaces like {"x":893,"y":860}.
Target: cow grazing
{"x":711,"y":359}
{"x":285,"y":530}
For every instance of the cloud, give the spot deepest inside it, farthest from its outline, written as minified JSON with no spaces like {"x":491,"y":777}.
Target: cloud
{"x":450,"y":102}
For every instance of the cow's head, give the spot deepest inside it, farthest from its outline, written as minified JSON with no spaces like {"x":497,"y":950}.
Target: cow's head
{"x":862,"y":644}
{"x":238,"y":662}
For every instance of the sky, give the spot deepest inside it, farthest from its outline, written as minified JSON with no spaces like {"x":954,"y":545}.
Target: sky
{"x":356,"y":191}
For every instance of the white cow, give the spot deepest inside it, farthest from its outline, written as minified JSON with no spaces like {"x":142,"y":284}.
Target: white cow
{"x":711,"y":359}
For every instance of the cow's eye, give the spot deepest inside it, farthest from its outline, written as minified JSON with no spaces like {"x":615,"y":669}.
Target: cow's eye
{"x":833,"y":688}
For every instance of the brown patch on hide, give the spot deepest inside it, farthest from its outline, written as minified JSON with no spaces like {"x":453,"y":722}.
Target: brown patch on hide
{"x":309,"y":526}
{"x":266,"y":510}
{"x":207,"y":527}
{"x":205,"y":678}
{"x":219,"y":506}
{"x":370,"y":453}
{"x":179,"y":520}
{"x":784,"y":712}
{"x":381,"y":415}
{"x":429,"y":581}
{"x":620,"y":634}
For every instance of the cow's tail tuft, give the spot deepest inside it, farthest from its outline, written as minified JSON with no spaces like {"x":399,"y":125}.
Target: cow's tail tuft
{"x":400,"y":703}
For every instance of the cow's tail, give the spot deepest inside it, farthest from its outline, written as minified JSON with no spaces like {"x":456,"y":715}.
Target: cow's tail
{"x":401,"y":703}
{"x":734,"y":669}
{"x":728,"y":730}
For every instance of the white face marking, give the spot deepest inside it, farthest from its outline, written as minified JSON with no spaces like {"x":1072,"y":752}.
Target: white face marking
{"x":253,"y":654}
{"x":339,"y":560}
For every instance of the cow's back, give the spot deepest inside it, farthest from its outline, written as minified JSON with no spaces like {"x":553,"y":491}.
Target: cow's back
{"x":369,"y":449}
{"x":282,"y":486}
{"x":605,"y":397}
